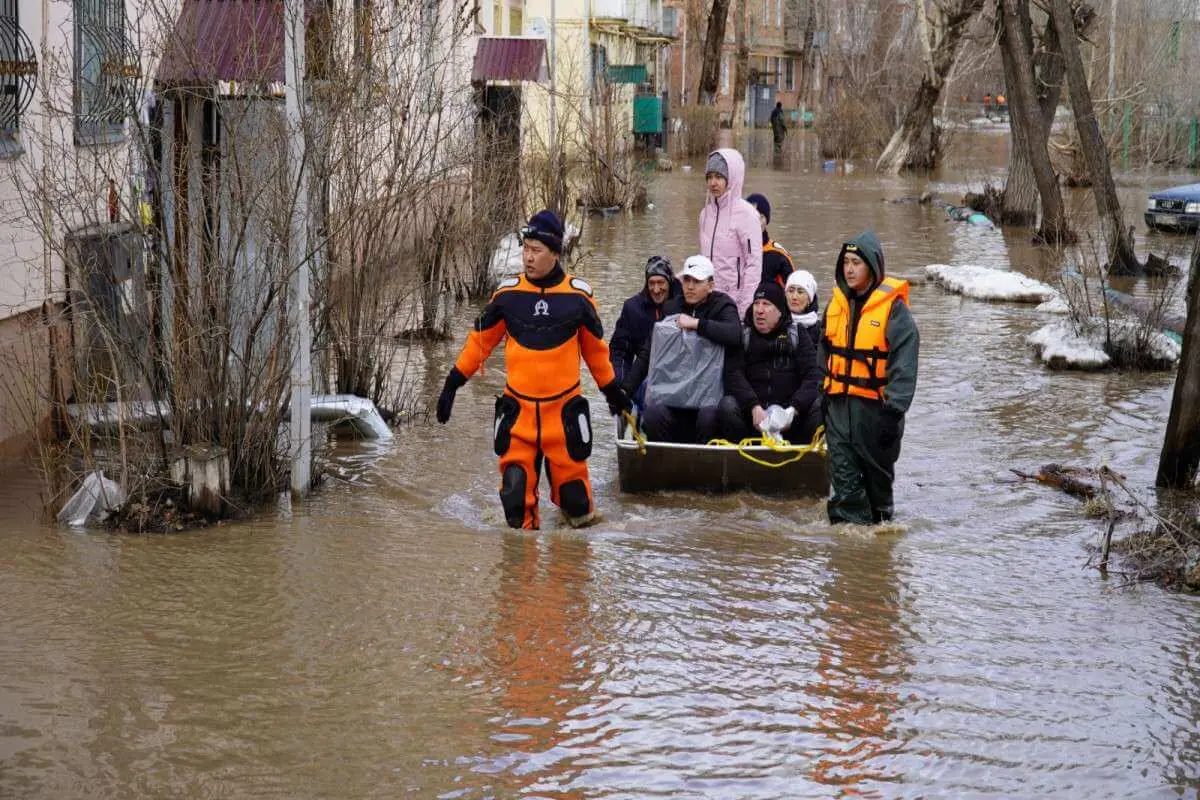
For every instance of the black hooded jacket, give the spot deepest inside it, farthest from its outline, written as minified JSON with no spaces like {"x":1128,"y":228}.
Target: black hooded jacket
{"x":775,"y":368}
{"x":719,"y":323}
{"x":634,"y":325}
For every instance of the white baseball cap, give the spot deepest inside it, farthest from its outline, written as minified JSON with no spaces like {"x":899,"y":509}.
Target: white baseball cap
{"x":698,"y":267}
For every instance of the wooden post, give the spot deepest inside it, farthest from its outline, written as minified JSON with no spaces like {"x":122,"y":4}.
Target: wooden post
{"x":1181,"y":447}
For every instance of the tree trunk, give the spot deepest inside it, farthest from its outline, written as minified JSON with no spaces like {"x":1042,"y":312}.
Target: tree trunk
{"x":741,"y":72}
{"x":808,"y":55}
{"x":914,"y":145}
{"x":1019,"y":203}
{"x":710,"y":69}
{"x":1181,"y":447}
{"x":1121,"y":258}
{"x":1029,"y":128}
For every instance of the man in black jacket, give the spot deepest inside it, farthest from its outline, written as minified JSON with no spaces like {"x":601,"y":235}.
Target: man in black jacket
{"x":713,"y":315}
{"x":777,"y":366}
{"x":639,"y":313}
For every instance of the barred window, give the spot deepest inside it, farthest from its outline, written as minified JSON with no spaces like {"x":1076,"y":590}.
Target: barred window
{"x":104,"y":70}
{"x":18,"y":75}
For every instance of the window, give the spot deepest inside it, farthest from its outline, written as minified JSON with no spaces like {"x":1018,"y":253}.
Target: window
{"x":17,"y":77}
{"x":516,"y":25}
{"x":778,"y":13}
{"x":599,"y":68}
{"x":725,"y":74}
{"x":104,"y":70}
{"x":789,"y":74}
{"x":497,"y":19}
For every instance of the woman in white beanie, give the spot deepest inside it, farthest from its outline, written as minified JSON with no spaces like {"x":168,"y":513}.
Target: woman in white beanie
{"x":801,"y":290}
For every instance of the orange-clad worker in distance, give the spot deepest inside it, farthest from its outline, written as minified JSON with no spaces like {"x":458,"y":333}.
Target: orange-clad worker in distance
{"x":542,"y":417}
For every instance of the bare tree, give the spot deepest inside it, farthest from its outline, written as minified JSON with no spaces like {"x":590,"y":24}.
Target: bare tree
{"x":741,"y":62}
{"x":714,"y":38}
{"x":1029,"y":127}
{"x":941,"y":25}
{"x":1121,"y":258}
{"x":1180,"y":455}
{"x":1019,"y":199}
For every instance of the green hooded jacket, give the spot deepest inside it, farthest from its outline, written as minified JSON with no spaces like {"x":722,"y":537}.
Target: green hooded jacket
{"x":902,"y":337}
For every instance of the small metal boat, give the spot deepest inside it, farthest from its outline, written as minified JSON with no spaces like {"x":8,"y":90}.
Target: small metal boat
{"x":666,"y":466}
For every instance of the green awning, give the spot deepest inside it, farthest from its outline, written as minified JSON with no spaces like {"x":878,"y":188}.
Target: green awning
{"x":626,"y":73}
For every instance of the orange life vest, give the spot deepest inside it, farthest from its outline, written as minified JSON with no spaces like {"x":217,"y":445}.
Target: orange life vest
{"x":857,"y":360}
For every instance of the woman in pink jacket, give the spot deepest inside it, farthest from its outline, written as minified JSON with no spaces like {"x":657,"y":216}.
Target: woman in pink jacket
{"x":730,"y":234}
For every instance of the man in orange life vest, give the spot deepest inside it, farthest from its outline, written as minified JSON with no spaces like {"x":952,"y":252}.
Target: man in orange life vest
{"x":869,"y":352}
{"x":542,"y":417}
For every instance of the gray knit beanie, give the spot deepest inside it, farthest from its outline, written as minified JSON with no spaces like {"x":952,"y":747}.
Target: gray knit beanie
{"x":716,"y":163}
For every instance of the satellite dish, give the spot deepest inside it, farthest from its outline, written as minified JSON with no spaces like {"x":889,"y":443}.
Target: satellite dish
{"x":537,"y":27}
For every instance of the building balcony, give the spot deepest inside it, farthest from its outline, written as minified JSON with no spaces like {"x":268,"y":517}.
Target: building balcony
{"x":611,"y":9}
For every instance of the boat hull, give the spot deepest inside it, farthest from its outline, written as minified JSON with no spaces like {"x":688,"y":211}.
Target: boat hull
{"x":717,"y":468}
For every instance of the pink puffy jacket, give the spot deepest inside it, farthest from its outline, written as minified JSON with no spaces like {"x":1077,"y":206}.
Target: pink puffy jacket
{"x":731,"y":236}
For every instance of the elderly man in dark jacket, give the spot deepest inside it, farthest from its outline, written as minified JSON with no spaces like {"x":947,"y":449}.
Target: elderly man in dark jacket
{"x":639,"y":313}
{"x":714,"y":316}
{"x":776,"y":366}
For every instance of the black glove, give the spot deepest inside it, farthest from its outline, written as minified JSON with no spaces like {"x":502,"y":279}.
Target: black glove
{"x":618,"y":400}
{"x":889,"y":428}
{"x":454,"y":381}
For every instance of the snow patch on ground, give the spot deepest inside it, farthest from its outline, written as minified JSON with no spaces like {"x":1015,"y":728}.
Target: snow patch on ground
{"x":1068,"y":345}
{"x":986,"y":283}
{"x":1055,"y":305}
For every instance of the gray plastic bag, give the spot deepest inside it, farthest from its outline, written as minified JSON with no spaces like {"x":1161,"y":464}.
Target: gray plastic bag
{"x":685,"y":368}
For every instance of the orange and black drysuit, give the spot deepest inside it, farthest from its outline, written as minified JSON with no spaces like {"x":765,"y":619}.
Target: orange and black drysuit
{"x":542,"y":417}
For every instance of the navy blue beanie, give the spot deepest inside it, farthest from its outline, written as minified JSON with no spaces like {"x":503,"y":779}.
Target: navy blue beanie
{"x":545,"y":227}
{"x":763,"y":205}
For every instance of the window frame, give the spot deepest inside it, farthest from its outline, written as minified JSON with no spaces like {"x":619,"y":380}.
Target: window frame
{"x":10,"y":136}
{"x":102,"y":128}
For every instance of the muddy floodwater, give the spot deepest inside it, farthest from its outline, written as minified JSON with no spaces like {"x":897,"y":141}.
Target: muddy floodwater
{"x":391,"y":639}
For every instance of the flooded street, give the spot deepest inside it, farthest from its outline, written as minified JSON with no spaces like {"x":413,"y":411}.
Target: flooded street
{"x":391,"y":638}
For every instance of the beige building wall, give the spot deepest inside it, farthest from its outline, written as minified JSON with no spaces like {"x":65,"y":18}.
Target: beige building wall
{"x":53,"y":179}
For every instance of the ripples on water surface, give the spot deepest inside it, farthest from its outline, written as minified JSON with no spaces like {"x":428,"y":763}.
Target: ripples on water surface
{"x":391,"y":639}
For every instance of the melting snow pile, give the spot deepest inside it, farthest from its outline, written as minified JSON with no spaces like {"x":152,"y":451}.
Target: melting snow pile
{"x":985,"y":283}
{"x":506,"y":258}
{"x":1055,"y":305}
{"x":1065,"y":345}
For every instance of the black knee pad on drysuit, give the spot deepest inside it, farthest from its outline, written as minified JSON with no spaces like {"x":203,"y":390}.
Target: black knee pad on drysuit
{"x":573,"y":499}
{"x":512,"y":495}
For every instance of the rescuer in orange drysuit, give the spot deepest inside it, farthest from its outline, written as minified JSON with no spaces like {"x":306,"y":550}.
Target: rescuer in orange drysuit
{"x":542,"y":417}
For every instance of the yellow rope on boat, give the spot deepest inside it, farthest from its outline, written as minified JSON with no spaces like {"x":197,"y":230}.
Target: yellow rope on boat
{"x":637,"y":434}
{"x":796,"y":451}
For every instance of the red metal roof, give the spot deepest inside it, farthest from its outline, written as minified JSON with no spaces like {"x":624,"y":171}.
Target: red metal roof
{"x":228,"y":40}
{"x":509,"y":58}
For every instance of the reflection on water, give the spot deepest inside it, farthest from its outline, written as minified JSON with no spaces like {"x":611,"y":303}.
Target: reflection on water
{"x":860,"y":669}
{"x":539,"y":662}
{"x":392,"y":638}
